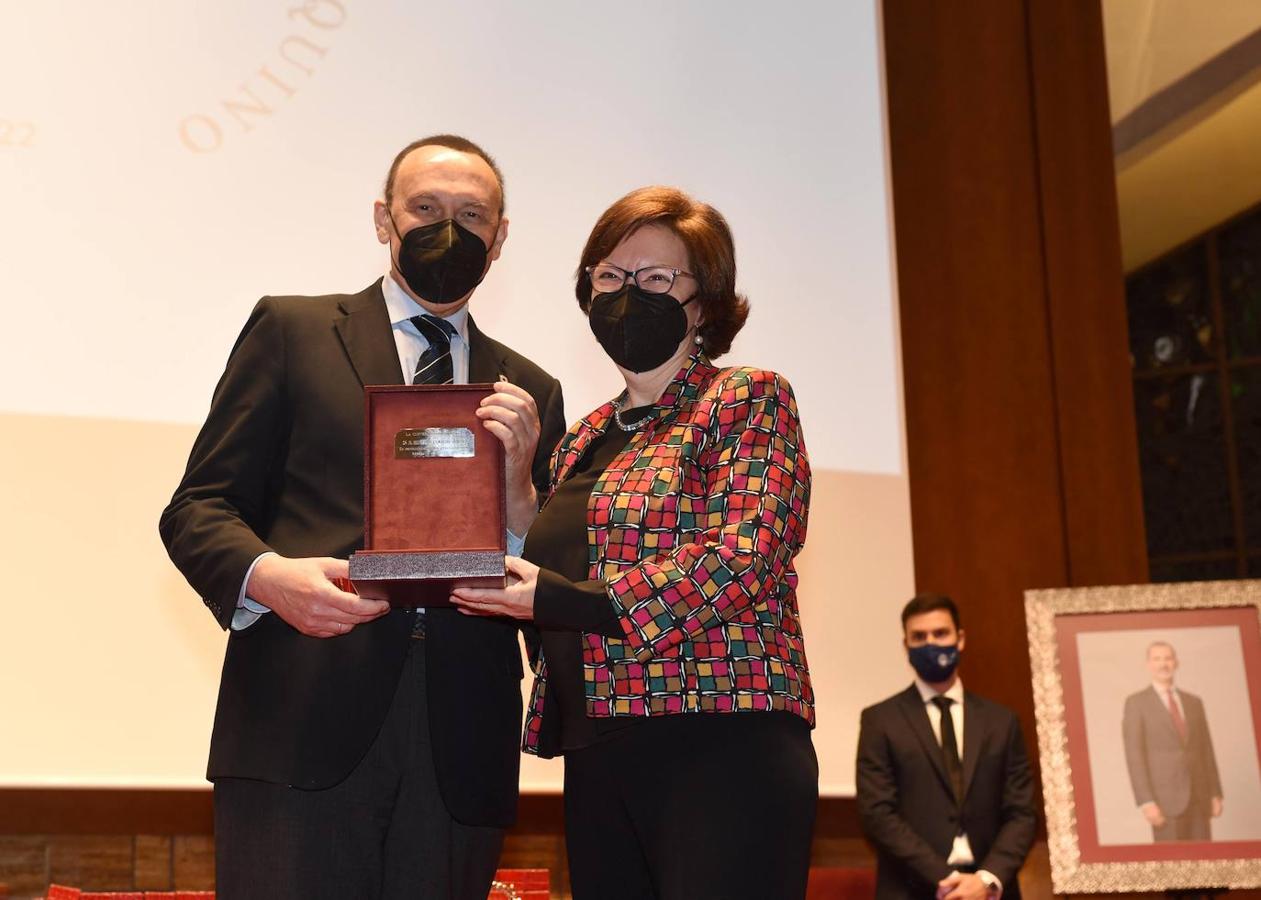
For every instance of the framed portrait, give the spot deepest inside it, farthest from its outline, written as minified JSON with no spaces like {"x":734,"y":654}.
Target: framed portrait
{"x":1148,"y":703}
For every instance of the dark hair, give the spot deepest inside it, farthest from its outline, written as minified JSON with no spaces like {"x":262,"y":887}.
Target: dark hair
{"x":710,"y":249}
{"x":452,"y":142}
{"x":923,"y":603}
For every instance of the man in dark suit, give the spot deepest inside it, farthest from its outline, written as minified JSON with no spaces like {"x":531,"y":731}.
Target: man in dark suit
{"x":1169,"y":752}
{"x":946,"y":798}
{"x":358,"y":751}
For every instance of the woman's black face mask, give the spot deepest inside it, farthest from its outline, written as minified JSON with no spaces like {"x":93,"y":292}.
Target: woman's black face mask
{"x":638,"y":330}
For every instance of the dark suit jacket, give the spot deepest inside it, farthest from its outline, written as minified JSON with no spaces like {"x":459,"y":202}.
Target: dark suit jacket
{"x":909,"y":812}
{"x":1162,"y":768}
{"x":278,"y":465}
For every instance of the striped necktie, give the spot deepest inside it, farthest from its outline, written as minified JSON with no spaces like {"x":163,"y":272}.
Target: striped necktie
{"x":434,"y":365}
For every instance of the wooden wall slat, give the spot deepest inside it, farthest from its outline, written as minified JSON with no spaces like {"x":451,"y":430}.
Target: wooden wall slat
{"x":1085,"y":296}
{"x":86,"y":811}
{"x":152,"y":862}
{"x":103,"y":861}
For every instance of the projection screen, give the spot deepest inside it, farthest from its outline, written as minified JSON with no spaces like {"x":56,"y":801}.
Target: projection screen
{"x":163,"y":164}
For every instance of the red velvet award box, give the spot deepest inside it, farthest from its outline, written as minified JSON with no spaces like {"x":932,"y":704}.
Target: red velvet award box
{"x":433,"y":495}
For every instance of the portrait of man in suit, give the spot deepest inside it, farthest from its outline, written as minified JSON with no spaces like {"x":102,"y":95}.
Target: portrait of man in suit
{"x":945,"y":793}
{"x":359,"y":750}
{"x":1169,"y":754}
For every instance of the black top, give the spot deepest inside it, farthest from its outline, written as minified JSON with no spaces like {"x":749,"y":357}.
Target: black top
{"x":566,"y":603}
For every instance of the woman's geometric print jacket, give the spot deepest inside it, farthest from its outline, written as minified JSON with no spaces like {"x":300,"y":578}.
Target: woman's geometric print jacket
{"x":693,"y":527}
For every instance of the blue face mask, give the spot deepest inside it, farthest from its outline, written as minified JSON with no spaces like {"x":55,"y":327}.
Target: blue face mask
{"x":934,"y":663}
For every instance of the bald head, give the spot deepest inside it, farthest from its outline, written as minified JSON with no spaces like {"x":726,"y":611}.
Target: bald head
{"x":451,"y":142}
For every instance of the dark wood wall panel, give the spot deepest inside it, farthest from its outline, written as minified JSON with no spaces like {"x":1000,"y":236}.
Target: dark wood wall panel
{"x":983,"y":448}
{"x":1085,"y":296}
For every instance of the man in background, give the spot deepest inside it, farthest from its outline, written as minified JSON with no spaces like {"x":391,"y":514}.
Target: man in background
{"x":359,"y":751}
{"x":1170,"y":754}
{"x":944,"y":789}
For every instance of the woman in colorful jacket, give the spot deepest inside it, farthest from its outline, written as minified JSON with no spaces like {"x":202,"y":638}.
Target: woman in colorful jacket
{"x":672,"y":675}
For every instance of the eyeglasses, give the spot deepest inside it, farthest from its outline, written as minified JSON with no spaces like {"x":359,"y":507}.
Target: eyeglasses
{"x":607,"y":278}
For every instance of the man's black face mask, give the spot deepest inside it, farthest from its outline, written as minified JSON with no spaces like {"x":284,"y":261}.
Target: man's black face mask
{"x":441,"y":262}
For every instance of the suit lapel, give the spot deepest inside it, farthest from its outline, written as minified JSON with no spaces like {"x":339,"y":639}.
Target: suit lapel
{"x":484,"y":365}
{"x":912,"y":706}
{"x":365,"y":332}
{"x":974,"y":734}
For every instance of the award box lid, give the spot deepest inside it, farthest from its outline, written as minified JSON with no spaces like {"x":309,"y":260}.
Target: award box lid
{"x":433,"y":474}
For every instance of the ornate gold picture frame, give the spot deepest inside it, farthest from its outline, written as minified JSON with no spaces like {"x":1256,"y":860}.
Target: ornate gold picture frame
{"x":1115,"y":745}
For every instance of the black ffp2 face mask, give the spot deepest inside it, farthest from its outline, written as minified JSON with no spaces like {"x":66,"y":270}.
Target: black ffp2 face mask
{"x":638,"y":330}
{"x":441,"y":262}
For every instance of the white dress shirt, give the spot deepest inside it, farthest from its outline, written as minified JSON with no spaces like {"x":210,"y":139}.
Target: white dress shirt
{"x":961,"y":852}
{"x":411,"y":344}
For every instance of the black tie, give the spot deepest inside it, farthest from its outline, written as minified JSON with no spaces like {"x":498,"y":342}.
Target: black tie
{"x":434,"y":365}
{"x":950,"y":747}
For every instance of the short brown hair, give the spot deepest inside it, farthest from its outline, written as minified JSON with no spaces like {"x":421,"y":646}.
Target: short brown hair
{"x":924,"y":603}
{"x":710,"y":249}
{"x":452,"y":142}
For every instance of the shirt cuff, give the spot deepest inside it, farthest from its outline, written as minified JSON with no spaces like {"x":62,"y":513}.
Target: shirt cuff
{"x":248,"y":611}
{"x":516,"y":545}
{"x":564,"y":605}
{"x":992,"y":881}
